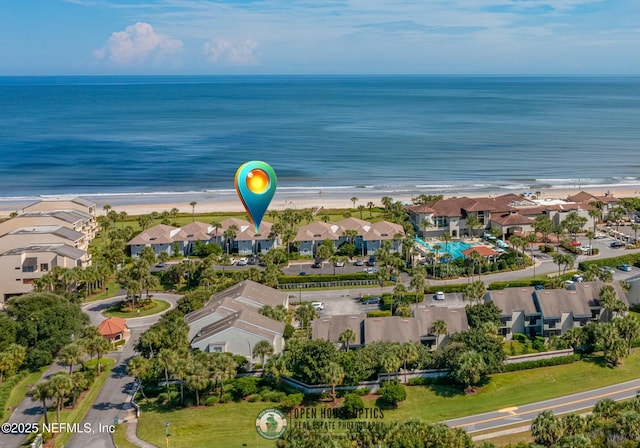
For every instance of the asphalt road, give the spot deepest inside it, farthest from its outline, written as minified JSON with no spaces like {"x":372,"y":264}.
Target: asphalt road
{"x":113,"y":399}
{"x":526,"y":413}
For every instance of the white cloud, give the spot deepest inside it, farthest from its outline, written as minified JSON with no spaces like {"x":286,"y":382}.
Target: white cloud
{"x":222,"y":51}
{"x":137,"y":44}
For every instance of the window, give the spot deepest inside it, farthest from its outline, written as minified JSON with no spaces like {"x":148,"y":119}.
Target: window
{"x":28,"y":269}
{"x":27,"y":281}
{"x":44,"y":267}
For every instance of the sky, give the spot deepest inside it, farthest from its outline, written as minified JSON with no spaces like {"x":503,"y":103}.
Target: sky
{"x":92,"y":37}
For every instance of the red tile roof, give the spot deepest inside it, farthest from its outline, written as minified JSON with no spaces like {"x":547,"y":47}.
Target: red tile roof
{"x":112,"y":326}
{"x":483,"y":251}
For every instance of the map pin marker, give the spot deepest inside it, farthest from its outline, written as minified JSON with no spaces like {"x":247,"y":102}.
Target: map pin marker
{"x":255,"y":183}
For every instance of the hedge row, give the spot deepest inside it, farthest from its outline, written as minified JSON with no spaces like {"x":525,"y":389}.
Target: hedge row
{"x":5,"y":391}
{"x":385,"y":313}
{"x":615,"y":261}
{"x":525,"y":282}
{"x":286,"y":279}
{"x":560,"y":360}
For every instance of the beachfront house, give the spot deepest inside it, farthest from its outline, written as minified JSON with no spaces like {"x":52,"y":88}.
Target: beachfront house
{"x":26,"y":236}
{"x":239,"y":235}
{"x":367,"y":237}
{"x":309,"y":237}
{"x":161,"y":238}
{"x":21,"y":266}
{"x":71,"y":219}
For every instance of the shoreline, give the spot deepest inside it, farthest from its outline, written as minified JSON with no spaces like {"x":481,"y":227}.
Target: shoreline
{"x":227,"y":201}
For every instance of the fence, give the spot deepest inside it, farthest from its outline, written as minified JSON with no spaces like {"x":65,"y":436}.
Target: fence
{"x":538,"y":356}
{"x":340,"y":283}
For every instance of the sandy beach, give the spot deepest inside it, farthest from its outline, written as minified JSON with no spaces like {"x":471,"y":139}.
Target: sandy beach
{"x":138,"y":204}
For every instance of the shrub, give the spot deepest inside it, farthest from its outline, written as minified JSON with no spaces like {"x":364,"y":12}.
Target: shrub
{"x":226,"y":398}
{"x":289,"y":331}
{"x":254,"y":398}
{"x":210,"y":401}
{"x":392,"y":393}
{"x":379,"y":313}
{"x":244,"y":387}
{"x":519,"y":337}
{"x":351,"y":405}
{"x":362,"y":391}
{"x":418,"y":381}
{"x":291,"y":401}
{"x":560,"y":360}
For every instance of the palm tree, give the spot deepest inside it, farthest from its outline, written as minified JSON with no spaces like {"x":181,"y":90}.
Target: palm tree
{"x":346,"y":337}
{"x":635,"y":228}
{"x":418,"y":283}
{"x":140,"y":368}
{"x":229,"y":235}
{"x":596,"y":215}
{"x":305,"y":313}
{"x":42,"y":392}
{"x":166,"y":360}
{"x":193,"y":210}
{"x":590,"y":235}
{"x":470,"y":368}
{"x":61,"y":385}
{"x":99,"y":346}
{"x":410,"y":354}
{"x":389,"y":360}
{"x":333,"y":374}
{"x":473,"y":222}
{"x":438,"y":328}
{"x":261,"y":350}
{"x":198,"y":379}
{"x":354,"y":199}
{"x":70,"y":354}
{"x":370,"y":206}
{"x":546,"y":429}
{"x":361,"y":208}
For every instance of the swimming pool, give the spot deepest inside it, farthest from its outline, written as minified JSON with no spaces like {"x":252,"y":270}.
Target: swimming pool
{"x":455,"y":248}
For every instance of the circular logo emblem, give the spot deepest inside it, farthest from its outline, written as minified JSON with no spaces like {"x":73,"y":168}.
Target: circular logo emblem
{"x":271,"y":423}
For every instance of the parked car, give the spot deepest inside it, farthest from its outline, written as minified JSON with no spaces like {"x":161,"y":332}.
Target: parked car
{"x":339,"y":264}
{"x":302,"y":273}
{"x":243,"y":261}
{"x":577,"y":278}
{"x":318,"y":305}
{"x":624,"y":267}
{"x":600,"y":236}
{"x":372,"y":301}
{"x":608,"y":268}
{"x":161,"y":264}
{"x":359,"y":262}
{"x":539,"y":287}
{"x":317,"y":264}
{"x":252,"y":260}
{"x":232,"y":261}
{"x":439,"y":295}
{"x":616,"y":244}
{"x":371,"y":261}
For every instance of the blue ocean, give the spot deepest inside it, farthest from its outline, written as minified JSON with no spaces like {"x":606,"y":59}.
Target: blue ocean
{"x":128,"y":135}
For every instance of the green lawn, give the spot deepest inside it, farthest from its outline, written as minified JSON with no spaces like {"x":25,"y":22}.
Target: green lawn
{"x":513,"y":389}
{"x":223,"y":425}
{"x":20,"y":391}
{"x":232,"y":424}
{"x":159,"y":306}
{"x":120,"y":437}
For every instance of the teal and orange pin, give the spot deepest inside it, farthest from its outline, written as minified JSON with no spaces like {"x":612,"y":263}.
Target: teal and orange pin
{"x":255,"y":183}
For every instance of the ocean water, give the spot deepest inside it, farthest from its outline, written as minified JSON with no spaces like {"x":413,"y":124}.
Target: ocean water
{"x":126,"y":135}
